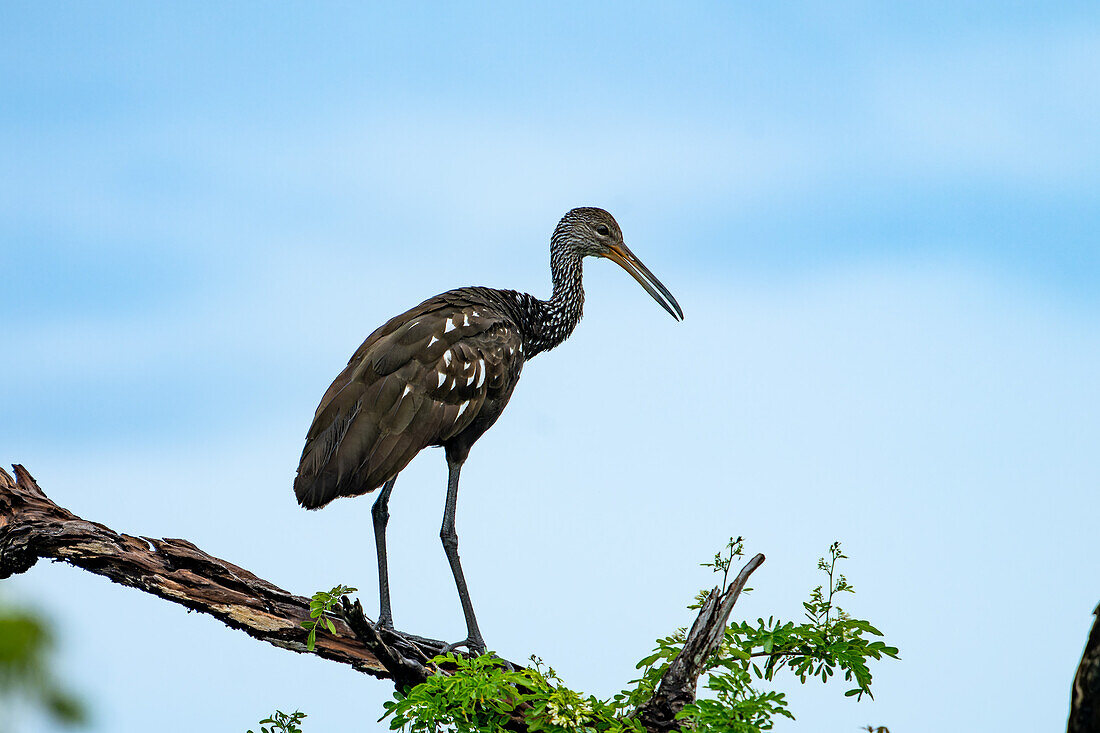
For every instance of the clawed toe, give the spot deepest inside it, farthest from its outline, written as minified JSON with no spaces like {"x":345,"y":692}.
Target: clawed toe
{"x":476,"y":647}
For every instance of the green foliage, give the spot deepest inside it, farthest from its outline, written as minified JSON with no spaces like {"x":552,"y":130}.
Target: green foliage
{"x":481,"y":694}
{"x":282,"y":722}
{"x":319,"y":607}
{"x":25,"y":643}
{"x":830,"y":641}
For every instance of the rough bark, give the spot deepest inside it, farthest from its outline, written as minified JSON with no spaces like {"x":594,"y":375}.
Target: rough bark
{"x":679,"y":684}
{"x":1084,"y":703}
{"x":33,"y":527}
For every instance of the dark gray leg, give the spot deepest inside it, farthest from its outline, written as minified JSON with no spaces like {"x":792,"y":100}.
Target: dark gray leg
{"x":473,"y":640}
{"x":380,"y":512}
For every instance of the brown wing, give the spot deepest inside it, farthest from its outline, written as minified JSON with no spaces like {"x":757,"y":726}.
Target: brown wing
{"x":419,"y":380}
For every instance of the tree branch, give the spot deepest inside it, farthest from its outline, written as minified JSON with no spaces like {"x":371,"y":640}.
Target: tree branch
{"x":33,"y":527}
{"x":679,"y":683}
{"x":1084,"y":704}
{"x":407,"y":663}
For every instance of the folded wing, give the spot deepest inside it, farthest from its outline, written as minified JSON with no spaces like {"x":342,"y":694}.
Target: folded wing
{"x":419,"y":380}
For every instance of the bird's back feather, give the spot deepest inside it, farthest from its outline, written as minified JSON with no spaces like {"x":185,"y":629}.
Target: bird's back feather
{"x":420,"y":379}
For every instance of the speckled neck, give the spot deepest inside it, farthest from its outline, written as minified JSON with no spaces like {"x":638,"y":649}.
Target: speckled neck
{"x":566,"y":305}
{"x":555,"y":319}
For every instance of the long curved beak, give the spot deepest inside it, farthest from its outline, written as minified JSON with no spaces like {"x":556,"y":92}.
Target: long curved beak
{"x":622,"y":256}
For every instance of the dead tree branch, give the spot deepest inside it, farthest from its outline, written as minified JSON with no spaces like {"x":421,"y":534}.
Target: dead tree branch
{"x":32,"y":527}
{"x":678,"y":685}
{"x":1084,"y":704}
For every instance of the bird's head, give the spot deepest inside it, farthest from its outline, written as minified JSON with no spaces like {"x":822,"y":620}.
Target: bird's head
{"x":592,"y":232}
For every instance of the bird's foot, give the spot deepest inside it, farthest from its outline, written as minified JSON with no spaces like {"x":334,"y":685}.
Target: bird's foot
{"x":384,"y":623}
{"x":476,"y":647}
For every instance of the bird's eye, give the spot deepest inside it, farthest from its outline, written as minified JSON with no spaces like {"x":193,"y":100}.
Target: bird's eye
{"x":602,"y":230}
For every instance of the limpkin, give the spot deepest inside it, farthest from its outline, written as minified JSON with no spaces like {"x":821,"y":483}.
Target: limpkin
{"x":440,"y":374}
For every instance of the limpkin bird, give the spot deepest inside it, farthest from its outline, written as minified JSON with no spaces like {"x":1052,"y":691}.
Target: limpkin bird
{"x":440,"y":375}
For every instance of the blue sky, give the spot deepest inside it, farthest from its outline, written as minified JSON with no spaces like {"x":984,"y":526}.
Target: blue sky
{"x":881,"y":224}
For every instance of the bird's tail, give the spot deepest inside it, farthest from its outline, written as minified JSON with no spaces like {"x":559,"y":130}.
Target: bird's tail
{"x":308,"y":492}
{"x":316,"y":483}
{"x":325,"y":471}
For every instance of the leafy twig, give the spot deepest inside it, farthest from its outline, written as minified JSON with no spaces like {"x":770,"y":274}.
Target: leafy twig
{"x":319,"y":607}
{"x":282,"y":722}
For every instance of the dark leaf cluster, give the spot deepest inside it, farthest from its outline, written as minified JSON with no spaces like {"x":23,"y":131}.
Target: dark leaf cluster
{"x":25,"y":644}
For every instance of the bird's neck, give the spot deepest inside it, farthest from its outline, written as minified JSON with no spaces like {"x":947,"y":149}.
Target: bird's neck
{"x":557,"y":317}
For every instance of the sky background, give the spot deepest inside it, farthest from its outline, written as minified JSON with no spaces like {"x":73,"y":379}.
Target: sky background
{"x":881,"y":224}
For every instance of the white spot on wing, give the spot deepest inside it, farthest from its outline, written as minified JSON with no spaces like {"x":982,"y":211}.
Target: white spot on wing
{"x":408,"y":388}
{"x":463,"y":410}
{"x":450,"y":326}
{"x":447,"y":357}
{"x":465,"y":319}
{"x":481,"y":374}
{"x":434,"y":339}
{"x":442,"y":378}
